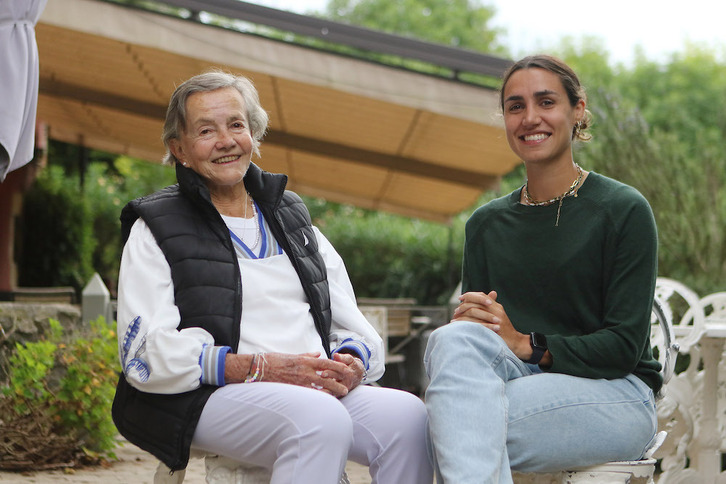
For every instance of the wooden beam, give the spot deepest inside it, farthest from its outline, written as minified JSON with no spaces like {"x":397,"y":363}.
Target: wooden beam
{"x":85,"y":95}
{"x":375,"y":158}
{"x":107,"y":99}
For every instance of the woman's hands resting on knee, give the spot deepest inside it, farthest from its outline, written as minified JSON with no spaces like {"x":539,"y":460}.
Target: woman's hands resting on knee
{"x":337,"y":376}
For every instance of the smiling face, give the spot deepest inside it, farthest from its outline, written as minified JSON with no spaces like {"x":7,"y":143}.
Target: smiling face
{"x":538,"y":116}
{"x":216,"y":141}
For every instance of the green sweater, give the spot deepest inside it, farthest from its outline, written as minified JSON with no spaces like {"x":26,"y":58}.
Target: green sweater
{"x":587,"y":284}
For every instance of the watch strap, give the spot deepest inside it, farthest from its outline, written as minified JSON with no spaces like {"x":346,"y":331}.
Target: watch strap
{"x":538,"y":350}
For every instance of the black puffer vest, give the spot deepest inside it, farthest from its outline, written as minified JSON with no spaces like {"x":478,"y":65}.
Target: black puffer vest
{"x":208,"y":292}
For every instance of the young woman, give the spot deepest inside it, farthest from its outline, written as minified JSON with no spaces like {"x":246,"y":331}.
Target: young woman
{"x":547,"y":363}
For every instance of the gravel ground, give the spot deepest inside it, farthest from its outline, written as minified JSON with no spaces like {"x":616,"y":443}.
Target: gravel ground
{"x":135,"y":467}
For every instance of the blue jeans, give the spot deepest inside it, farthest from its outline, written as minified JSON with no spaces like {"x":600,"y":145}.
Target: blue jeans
{"x":490,"y":412}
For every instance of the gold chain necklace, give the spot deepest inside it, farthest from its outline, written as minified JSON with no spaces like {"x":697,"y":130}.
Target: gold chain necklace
{"x":570,"y":192}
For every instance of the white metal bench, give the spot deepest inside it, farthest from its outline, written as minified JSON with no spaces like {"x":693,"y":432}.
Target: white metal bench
{"x":695,"y":406}
{"x":626,"y":472}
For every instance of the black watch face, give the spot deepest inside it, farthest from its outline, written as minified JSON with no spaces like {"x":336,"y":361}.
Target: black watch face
{"x":539,"y":340}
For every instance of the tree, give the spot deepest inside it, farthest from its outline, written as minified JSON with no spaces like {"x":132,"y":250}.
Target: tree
{"x":56,"y":237}
{"x":660,"y":128}
{"x":683,"y":192}
{"x":70,"y":228}
{"x":456,"y":23}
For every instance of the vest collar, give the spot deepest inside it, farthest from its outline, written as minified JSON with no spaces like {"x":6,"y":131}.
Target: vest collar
{"x":266,"y":188}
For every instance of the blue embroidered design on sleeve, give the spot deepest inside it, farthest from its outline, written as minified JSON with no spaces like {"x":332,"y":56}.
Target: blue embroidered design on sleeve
{"x":137,"y":363}
{"x":131,"y":332}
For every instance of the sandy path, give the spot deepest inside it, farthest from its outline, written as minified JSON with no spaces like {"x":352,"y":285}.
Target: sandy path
{"x":135,"y":467}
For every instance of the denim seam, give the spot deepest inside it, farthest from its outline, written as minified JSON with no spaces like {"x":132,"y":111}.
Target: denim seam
{"x":576,"y":404}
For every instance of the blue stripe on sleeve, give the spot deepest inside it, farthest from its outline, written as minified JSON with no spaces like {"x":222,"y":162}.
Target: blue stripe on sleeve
{"x":212,"y":363}
{"x":358,"y":347}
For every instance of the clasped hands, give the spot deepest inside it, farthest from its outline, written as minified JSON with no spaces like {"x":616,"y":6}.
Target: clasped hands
{"x":484,"y":309}
{"x":336,"y":376}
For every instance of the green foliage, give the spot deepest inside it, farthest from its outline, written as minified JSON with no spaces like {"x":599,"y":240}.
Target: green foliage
{"x":108,"y":188}
{"x":57,"y":238}
{"x":390,"y":256}
{"x":685,"y":195}
{"x":684,"y":96}
{"x":70,"y":226}
{"x":101,"y":190}
{"x":155,"y":6}
{"x":589,"y":59}
{"x":33,"y":364}
{"x":660,"y":128}
{"x":71,"y":380}
{"x":138,"y":178}
{"x":456,"y":23}
{"x":75,"y":159}
{"x":86,"y":391}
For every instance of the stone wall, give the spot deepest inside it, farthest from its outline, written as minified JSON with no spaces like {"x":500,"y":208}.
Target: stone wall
{"x":22,"y":322}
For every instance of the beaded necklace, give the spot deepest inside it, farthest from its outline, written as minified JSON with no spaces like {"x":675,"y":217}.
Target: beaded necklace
{"x":254,"y":217}
{"x":572,"y":191}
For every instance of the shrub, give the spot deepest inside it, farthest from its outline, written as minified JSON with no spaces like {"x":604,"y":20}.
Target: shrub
{"x":77,"y":213}
{"x":57,"y":233}
{"x":55,"y":408}
{"x":389,"y":256}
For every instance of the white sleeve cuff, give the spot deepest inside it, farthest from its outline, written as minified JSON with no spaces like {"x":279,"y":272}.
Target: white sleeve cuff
{"x":212,"y":363}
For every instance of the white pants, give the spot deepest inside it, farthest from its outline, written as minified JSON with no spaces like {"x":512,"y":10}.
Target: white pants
{"x":305,"y":436}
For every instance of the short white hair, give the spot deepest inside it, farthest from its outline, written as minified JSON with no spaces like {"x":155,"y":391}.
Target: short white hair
{"x":176,"y":115}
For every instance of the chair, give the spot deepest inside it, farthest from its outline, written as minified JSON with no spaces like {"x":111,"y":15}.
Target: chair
{"x":685,"y":310}
{"x":377,"y":316}
{"x":627,"y":472}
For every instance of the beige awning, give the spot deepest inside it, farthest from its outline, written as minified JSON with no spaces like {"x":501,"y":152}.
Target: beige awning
{"x":344,"y":129}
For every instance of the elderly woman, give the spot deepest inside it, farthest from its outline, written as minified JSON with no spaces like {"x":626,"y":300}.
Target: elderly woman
{"x":238,"y":328}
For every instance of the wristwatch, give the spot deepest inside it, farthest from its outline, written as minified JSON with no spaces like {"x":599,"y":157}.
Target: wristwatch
{"x":538,"y":341}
